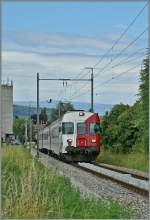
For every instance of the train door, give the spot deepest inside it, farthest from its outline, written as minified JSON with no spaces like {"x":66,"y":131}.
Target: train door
{"x":60,"y":138}
{"x":68,"y":134}
{"x":50,"y":139}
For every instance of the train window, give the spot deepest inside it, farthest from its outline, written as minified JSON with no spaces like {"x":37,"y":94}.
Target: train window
{"x":67,"y":128}
{"x":55,"y":132}
{"x":60,"y":129}
{"x":81,"y":128}
{"x":94,"y":128}
{"x":45,"y":136}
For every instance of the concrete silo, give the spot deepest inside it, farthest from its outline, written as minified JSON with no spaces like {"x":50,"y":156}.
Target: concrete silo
{"x":6,"y":110}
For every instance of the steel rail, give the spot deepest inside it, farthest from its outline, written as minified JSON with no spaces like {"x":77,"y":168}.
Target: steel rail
{"x":139,"y":190}
{"x":135,"y":173}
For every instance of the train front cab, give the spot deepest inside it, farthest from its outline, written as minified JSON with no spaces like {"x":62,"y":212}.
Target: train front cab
{"x":83,"y":144}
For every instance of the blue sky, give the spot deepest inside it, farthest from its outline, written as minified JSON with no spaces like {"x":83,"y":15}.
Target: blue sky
{"x":76,"y":18}
{"x":63,"y":38}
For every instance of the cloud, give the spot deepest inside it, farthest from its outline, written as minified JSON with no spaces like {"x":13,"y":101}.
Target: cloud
{"x":57,"y":42}
{"x":61,"y":55}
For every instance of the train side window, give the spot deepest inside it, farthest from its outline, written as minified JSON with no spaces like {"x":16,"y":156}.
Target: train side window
{"x":81,"y":128}
{"x":45,"y":136}
{"x":60,"y":129}
{"x":94,"y":128}
{"x":67,"y":128}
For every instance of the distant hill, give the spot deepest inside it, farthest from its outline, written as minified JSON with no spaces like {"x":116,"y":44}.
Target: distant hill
{"x":22,"y":108}
{"x":24,"y":111}
{"x":99,"y":108}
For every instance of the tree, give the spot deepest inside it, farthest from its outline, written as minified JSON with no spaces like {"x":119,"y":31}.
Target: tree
{"x":144,"y":102}
{"x":19,"y":129}
{"x":119,"y":132}
{"x":43,"y":118}
{"x":127,"y":126}
{"x":60,"y":110}
{"x":34,"y":118}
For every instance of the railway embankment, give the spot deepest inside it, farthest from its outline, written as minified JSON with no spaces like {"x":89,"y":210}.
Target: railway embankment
{"x":30,"y":190}
{"x":135,"y":160}
{"x":92,"y":186}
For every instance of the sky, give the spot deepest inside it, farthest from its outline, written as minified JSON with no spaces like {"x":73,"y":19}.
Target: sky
{"x":59,"y":40}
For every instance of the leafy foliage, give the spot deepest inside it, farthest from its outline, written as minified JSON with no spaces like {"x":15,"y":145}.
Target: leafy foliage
{"x":144,"y":101}
{"x":19,"y":128}
{"x":61,"y":108}
{"x":118,"y":129}
{"x":125,"y":128}
{"x":43,"y":118}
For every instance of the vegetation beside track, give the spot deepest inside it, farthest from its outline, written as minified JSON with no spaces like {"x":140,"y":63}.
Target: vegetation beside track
{"x":125,"y":129}
{"x":134,"y":160}
{"x":29,"y":190}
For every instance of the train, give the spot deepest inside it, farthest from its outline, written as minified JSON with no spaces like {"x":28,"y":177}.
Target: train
{"x":75,"y":137}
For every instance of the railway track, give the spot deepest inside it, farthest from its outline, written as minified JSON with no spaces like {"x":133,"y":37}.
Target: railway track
{"x":138,"y":183}
{"x":127,"y":180}
{"x":135,"y":173}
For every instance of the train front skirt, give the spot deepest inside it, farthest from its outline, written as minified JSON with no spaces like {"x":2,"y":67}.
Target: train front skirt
{"x":78,"y":154}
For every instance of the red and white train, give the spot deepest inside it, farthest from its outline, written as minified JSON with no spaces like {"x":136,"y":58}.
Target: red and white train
{"x":75,"y":137}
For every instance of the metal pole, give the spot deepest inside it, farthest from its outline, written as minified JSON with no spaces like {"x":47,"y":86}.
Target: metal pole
{"x":59,"y":107}
{"x":92,"y":87}
{"x":92,"y":91}
{"x":26,"y":131}
{"x":37,"y":114}
{"x":29,"y":127}
{"x":30,"y":133}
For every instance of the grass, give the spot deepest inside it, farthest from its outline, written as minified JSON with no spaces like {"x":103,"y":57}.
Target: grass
{"x":29,"y":190}
{"x":134,"y":160}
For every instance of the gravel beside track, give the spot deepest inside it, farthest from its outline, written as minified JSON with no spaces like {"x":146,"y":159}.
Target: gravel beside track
{"x":93,"y":186}
{"x":133,"y":172}
{"x":128,"y":180}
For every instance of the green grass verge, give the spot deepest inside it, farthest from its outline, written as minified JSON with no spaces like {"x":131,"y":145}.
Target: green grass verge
{"x":138,"y":161}
{"x":29,"y":190}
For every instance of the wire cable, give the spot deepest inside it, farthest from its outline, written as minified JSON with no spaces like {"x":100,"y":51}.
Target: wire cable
{"x":121,"y":36}
{"x":107,"y":81}
{"x":124,"y":49}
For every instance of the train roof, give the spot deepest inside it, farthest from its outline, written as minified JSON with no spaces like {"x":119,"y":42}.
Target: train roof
{"x":81,"y":110}
{"x":77,"y":116}
{"x":72,"y":115}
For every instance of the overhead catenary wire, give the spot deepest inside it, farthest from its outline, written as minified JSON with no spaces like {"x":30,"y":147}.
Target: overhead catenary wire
{"x":132,"y":55}
{"x":107,"y":81}
{"x":121,"y":36}
{"x":87,"y":88}
{"x":125,"y":61}
{"x":124,"y":49}
{"x":117,"y":41}
{"x":118,"y":75}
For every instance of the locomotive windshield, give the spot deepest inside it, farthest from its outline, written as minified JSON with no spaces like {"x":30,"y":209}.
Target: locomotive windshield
{"x":81,"y":128}
{"x":67,"y":128}
{"x":94,"y":128}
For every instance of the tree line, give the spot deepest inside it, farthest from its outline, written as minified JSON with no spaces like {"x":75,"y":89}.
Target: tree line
{"x":19,"y":125}
{"x":125,"y":128}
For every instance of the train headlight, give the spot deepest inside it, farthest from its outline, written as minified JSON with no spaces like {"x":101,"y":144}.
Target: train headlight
{"x":93,"y":141}
{"x":69,"y":141}
{"x":81,"y":113}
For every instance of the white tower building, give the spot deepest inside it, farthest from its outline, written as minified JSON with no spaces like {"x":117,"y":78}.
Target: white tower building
{"x":6,"y":110}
